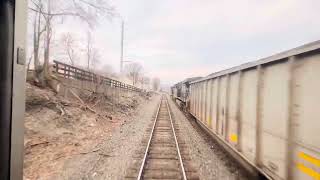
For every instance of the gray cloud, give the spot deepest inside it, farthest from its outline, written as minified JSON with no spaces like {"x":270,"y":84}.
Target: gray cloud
{"x":182,"y":38}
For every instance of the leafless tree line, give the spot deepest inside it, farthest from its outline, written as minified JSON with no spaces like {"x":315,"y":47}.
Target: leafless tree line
{"x":69,"y":47}
{"x":134,"y":72}
{"x":44,"y":15}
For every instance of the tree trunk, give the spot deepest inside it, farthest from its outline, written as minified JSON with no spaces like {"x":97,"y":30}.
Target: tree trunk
{"x":45,"y":73}
{"x":36,"y":47}
{"x":47,"y":49}
{"x":89,"y":50}
{"x":35,"y":42}
{"x":70,"y":55}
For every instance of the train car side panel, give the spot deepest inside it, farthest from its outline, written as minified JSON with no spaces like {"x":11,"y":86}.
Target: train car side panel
{"x":209,"y":103}
{"x":248,"y":114}
{"x":196,"y":96}
{"x":205,"y":103}
{"x":201,"y":100}
{"x":191,"y":110}
{"x":222,"y":105}
{"x":308,"y":98}
{"x":274,"y":116}
{"x":198,"y":100}
{"x":204,"y":100}
{"x":233,"y":108}
{"x":214,"y":107}
{"x":205,"y":119}
{"x":306,"y":116}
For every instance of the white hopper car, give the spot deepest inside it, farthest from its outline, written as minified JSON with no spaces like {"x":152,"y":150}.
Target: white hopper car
{"x":266,"y":113}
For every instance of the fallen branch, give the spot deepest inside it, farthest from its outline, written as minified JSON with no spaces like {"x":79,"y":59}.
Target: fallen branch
{"x":105,"y":155}
{"x":82,"y":102}
{"x":63,"y":112}
{"x":37,"y":144}
{"x":92,"y":110}
{"x":95,"y":150}
{"x":76,"y":96}
{"x":96,"y":103}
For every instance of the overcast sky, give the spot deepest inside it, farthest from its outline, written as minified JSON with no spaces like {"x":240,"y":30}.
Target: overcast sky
{"x":176,"y":39}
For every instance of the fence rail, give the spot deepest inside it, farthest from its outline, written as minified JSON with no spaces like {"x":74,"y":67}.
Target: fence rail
{"x":72,"y":72}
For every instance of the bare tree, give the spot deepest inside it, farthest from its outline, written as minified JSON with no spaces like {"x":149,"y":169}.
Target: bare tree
{"x":134,"y":71}
{"x":38,"y":30}
{"x":89,"y":49}
{"x":92,"y":53}
{"x":144,"y":81}
{"x":69,"y":46}
{"x":48,"y":10}
{"x":29,"y":62}
{"x":155,"y":84}
{"x":95,"y":58}
{"x":48,"y":22}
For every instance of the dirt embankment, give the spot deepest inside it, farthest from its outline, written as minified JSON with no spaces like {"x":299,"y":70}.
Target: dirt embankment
{"x":58,"y":128}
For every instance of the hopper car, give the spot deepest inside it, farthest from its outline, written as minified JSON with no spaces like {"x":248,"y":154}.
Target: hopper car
{"x":264,"y":113}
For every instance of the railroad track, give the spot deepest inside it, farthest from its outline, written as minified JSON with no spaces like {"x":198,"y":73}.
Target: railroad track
{"x":164,"y":156}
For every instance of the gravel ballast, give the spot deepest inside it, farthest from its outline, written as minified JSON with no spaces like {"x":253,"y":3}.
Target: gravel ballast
{"x":207,"y":156}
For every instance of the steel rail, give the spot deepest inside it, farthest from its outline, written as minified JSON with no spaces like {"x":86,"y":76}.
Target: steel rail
{"x":149,"y":142}
{"x":150,"y":139}
{"x":176,"y":141}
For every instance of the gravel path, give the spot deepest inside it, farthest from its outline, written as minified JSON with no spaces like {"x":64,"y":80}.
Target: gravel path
{"x":207,"y":157}
{"x":111,"y":159}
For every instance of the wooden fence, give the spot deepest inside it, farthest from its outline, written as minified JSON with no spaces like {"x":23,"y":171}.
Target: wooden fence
{"x":72,"y":72}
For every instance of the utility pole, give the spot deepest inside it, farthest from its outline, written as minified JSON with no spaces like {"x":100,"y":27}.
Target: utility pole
{"x":122,"y":39}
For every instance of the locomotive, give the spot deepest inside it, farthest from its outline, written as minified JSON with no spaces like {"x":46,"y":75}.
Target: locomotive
{"x":180,"y":93}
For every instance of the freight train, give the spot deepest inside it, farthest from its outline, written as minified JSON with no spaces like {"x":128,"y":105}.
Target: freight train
{"x":180,"y":92}
{"x":264,"y":113}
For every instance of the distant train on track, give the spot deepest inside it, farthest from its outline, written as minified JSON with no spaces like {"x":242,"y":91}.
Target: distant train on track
{"x":266,"y":113}
{"x":180,"y":91}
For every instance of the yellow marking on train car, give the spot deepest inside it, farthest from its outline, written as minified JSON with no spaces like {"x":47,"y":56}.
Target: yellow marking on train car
{"x":234,"y":138}
{"x":209,"y":122}
{"x":312,"y":173}
{"x":309,"y":158}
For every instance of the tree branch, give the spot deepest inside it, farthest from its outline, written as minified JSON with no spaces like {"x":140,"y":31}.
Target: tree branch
{"x":97,"y":7}
{"x":55,"y":14}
